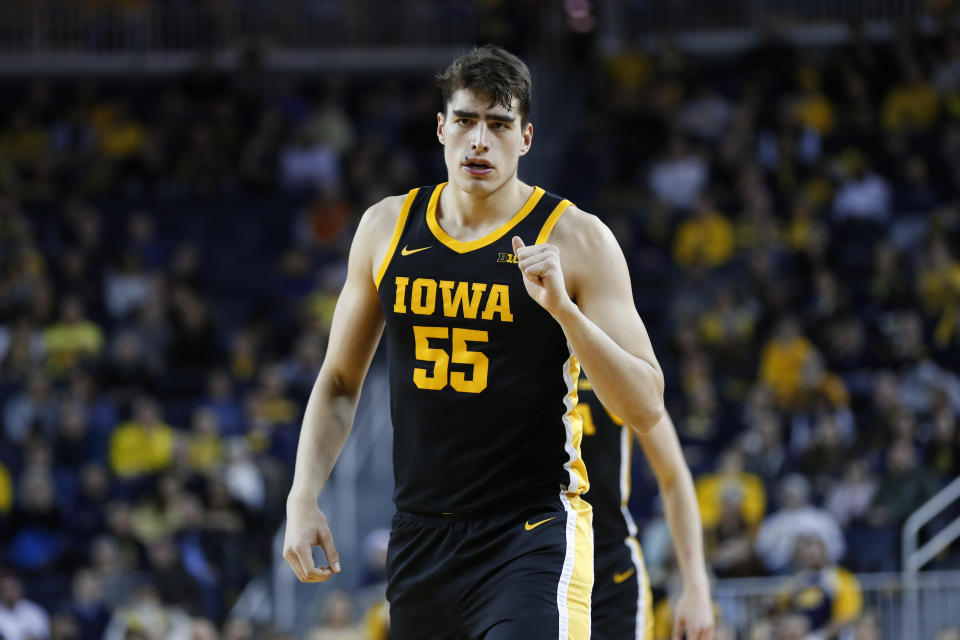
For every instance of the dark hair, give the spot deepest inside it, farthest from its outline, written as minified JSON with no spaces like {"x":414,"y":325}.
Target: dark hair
{"x":491,"y":72}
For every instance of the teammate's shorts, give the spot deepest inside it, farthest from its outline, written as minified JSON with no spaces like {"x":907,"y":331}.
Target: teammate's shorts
{"x":525,"y":574}
{"x":622,"y":602}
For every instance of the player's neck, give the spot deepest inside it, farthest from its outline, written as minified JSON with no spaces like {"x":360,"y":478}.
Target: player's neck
{"x":461,"y":210}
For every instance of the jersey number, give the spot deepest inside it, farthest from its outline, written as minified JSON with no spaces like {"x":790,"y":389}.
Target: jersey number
{"x":459,"y":354}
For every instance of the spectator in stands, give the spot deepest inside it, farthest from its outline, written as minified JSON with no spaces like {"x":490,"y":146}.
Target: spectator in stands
{"x":862,"y":195}
{"x":336,"y":622}
{"x":21,"y":349}
{"x":867,"y":628}
{"x":783,"y":360}
{"x":828,"y":596}
{"x":705,"y":239}
{"x":143,"y":444}
{"x":32,"y":411}
{"x":194,"y":345}
{"x":204,"y":444}
{"x":849,"y":499}
{"x":74,"y":443}
{"x":792,"y":627}
{"x":222,"y":401}
{"x":307,"y":162}
{"x":39,"y":542}
{"x":273,"y":412}
{"x":732,"y":504}
{"x":145,"y":614}
{"x":238,"y":629}
{"x":904,"y":486}
{"x":810,"y":107}
{"x":912,"y":106}
{"x":127,"y":287}
{"x":203,"y":629}
{"x":113,"y":569}
{"x":86,"y":511}
{"x":943,"y":450}
{"x":679,"y":177}
{"x":707,"y":114}
{"x":20,"y":619}
{"x":174,"y":584}
{"x":73,"y":340}
{"x":244,"y":480}
{"x":766,"y":452}
{"x":87,"y":606}
{"x":126,"y":368}
{"x":776,"y":538}
{"x":730,"y":477}
{"x":939,"y":282}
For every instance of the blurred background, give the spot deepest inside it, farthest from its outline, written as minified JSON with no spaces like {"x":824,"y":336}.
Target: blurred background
{"x":179,"y":184}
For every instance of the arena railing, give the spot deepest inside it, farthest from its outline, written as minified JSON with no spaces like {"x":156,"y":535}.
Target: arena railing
{"x":155,"y":35}
{"x":916,"y":556}
{"x":745,"y":602}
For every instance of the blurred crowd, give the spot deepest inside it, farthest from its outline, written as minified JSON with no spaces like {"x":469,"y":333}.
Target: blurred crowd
{"x":170,"y":253}
{"x":169,"y":259}
{"x":793,"y":225}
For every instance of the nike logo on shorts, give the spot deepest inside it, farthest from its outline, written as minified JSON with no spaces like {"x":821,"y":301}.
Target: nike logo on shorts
{"x":621,"y":577}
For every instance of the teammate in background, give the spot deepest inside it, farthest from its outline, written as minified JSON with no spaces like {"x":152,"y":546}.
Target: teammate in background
{"x":493,"y":293}
{"x":622,"y":602}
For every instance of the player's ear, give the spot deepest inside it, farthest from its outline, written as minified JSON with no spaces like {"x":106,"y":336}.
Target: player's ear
{"x":441,"y":118}
{"x":526,"y":139}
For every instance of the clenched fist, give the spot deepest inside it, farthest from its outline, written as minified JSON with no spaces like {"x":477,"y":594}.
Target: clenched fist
{"x":542,"y":274}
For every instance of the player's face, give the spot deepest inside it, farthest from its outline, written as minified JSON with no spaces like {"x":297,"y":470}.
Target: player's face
{"x":482,"y":144}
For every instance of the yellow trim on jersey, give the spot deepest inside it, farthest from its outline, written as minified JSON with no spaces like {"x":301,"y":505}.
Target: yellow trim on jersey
{"x":645,"y":619}
{"x":626,"y":456}
{"x":552,"y":220}
{"x":648,"y":607}
{"x":572,"y":420}
{"x":397,"y":232}
{"x":493,"y":236}
{"x":576,"y":579}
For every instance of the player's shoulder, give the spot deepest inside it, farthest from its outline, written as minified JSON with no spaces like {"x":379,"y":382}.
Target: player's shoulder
{"x":382,"y":216}
{"x":581,"y":233}
{"x":377,"y":224}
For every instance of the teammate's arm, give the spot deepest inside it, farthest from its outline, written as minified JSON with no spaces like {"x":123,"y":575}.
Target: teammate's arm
{"x":357,"y":325}
{"x":580,"y":277}
{"x":694,"y":609}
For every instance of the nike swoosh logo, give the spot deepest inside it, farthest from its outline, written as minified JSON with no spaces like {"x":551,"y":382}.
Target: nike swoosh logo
{"x":527,"y":526}
{"x":620,"y":577}
{"x":407,"y":252}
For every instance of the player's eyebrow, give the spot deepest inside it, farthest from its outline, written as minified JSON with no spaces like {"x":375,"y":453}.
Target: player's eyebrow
{"x":499,"y":117}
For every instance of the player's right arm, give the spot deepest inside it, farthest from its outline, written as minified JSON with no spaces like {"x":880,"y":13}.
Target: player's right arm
{"x":354,"y":334}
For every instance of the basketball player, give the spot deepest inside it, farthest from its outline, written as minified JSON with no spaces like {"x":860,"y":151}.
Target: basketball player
{"x":622,"y":602}
{"x":492,"y":293}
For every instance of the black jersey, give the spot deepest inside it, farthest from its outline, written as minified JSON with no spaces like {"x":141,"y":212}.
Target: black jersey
{"x":607,"y":449}
{"x":483,"y":385}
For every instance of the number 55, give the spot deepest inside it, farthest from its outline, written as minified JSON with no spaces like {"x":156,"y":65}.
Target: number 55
{"x":459,"y":354}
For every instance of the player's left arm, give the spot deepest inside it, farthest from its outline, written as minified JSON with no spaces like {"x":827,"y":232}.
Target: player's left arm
{"x":580,"y":277}
{"x":693,"y":613}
